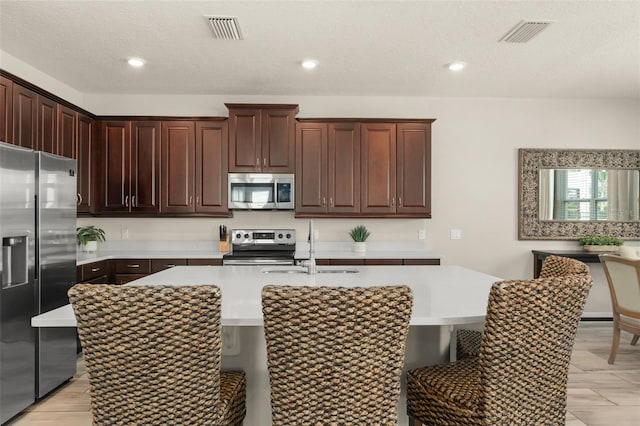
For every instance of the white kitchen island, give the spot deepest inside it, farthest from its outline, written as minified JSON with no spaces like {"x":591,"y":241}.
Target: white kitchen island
{"x":444,"y":296}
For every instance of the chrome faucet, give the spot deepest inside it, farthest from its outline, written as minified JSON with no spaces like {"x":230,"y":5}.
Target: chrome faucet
{"x":311,"y":263}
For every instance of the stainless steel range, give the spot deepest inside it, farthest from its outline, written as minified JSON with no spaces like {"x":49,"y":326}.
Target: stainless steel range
{"x":261,"y":247}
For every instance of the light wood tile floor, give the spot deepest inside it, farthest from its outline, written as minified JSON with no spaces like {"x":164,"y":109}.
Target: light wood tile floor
{"x":599,"y":393}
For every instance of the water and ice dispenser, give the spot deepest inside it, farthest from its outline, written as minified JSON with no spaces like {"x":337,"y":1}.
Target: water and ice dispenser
{"x":14,"y":261}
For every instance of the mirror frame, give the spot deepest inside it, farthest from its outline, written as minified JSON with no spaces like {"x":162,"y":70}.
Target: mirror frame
{"x":530,"y":227}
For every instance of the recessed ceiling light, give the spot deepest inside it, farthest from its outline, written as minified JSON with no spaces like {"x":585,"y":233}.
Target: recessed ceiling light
{"x":457,"y":66}
{"x":309,"y":64}
{"x":135,"y":62}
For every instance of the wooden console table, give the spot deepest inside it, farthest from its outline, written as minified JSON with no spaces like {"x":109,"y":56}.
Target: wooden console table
{"x":581,"y":255}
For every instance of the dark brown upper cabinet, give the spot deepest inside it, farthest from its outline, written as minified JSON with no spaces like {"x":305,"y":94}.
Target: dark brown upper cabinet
{"x":47,"y":129}
{"x":378,"y":167}
{"x":6,"y":110}
{"x":25,"y":117}
{"x":212,"y":142}
{"x":327,"y":167}
{"x":262,"y":138}
{"x":194,"y":167}
{"x":86,"y":155}
{"x":178,"y":167}
{"x":413,"y":170}
{"x":396,"y":168}
{"x":131,"y":163}
{"x":67,"y":132}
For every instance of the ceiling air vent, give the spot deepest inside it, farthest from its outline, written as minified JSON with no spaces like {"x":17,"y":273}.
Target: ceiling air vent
{"x":525,"y":31}
{"x":225,"y":27}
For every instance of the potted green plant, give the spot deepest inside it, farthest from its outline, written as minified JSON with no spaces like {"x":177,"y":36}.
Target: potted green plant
{"x":359,"y":235}
{"x":88,"y":238}
{"x":605,"y":243}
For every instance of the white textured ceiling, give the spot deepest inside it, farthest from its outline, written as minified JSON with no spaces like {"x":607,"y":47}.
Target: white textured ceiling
{"x":396,"y":48}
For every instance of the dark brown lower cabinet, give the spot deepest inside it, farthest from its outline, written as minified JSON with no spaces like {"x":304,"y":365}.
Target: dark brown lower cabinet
{"x":353,"y":262}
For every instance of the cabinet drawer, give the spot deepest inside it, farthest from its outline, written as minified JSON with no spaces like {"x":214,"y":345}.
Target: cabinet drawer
{"x":383,"y":262}
{"x":94,"y":270}
{"x":158,"y":265}
{"x":422,"y":261}
{"x":206,"y":262}
{"x":132,"y":266}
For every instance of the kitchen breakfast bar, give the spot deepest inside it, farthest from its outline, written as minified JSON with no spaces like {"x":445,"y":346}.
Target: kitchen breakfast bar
{"x":444,"y":296}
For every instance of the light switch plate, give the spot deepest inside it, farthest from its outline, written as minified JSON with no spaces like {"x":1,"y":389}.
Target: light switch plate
{"x":456,"y":234}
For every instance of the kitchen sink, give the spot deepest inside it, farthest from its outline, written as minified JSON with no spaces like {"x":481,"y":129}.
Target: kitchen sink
{"x":303,"y":270}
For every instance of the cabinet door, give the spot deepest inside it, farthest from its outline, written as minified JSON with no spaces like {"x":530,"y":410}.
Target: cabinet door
{"x":211,"y":166}
{"x":6,"y":110}
{"x":311,"y":168}
{"x":116,"y":142}
{"x":378,"y":151}
{"x":344,"y":168}
{"x":145,"y":165}
{"x":47,"y":125}
{"x":85,"y":157}
{"x":414,"y":168}
{"x":278,"y":140}
{"x":67,"y":132}
{"x":178,"y":174}
{"x":245,"y":140}
{"x":25,"y":117}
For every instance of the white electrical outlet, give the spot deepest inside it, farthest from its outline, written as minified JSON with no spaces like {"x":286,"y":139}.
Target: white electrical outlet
{"x":421,"y":234}
{"x":456,"y":234}
{"x":124,"y":233}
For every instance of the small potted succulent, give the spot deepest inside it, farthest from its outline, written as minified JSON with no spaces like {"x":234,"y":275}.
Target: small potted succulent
{"x":88,"y":237}
{"x":359,"y":235}
{"x":606,"y":243}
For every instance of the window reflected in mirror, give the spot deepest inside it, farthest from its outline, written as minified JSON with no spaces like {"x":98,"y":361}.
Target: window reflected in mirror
{"x":589,"y":194}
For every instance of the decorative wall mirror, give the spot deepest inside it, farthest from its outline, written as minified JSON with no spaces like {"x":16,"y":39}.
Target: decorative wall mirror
{"x":568,"y":194}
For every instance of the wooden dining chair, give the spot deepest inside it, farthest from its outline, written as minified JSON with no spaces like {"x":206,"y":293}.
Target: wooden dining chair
{"x":468,"y":341}
{"x":153,"y":356}
{"x":334,"y":354}
{"x":623,"y":277}
{"x":520,"y":376}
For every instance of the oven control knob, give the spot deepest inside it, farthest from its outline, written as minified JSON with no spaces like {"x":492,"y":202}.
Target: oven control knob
{"x":238,"y":236}
{"x":246,"y":235}
{"x":280,"y":236}
{"x":288,"y":236}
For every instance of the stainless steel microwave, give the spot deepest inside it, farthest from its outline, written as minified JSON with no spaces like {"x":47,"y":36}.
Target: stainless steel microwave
{"x":261,"y":191}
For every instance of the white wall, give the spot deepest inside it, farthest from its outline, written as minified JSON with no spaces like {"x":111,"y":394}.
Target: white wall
{"x":475,"y":143}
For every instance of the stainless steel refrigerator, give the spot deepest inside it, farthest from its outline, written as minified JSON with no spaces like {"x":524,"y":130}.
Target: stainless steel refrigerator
{"x":37,"y":227}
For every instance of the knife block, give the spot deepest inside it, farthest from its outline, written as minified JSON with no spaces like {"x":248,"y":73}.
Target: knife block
{"x":223,"y":245}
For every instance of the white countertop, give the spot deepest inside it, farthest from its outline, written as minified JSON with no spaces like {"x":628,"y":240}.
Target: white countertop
{"x":442,"y":294}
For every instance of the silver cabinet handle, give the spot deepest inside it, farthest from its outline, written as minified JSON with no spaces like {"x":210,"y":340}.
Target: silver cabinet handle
{"x":135,"y":265}
{"x":95,"y":269}
{"x":126,"y":201}
{"x":400,"y":201}
{"x":393,"y":201}
{"x":324,"y":201}
{"x":257,"y":162}
{"x":79,"y":198}
{"x":197,"y":200}
{"x":133,"y":201}
{"x":330,"y":201}
{"x":264,"y":161}
{"x":190,"y":199}
{"x":170,"y":265}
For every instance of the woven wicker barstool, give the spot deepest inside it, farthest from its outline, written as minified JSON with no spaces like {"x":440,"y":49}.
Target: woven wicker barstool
{"x":153,"y":356}
{"x":520,"y":376}
{"x":335,"y":355}
{"x":468,"y":341}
